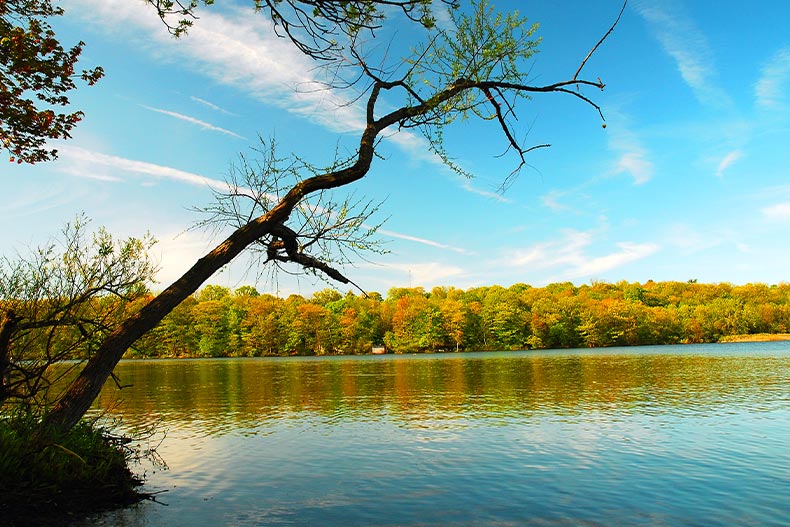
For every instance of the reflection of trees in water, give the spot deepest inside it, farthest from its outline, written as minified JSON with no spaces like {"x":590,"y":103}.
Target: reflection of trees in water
{"x":249,"y":391}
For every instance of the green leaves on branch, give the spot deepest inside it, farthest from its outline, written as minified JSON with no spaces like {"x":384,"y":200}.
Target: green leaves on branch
{"x":483,"y":46}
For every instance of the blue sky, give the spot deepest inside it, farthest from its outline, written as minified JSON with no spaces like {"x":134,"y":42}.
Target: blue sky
{"x":689,"y":180}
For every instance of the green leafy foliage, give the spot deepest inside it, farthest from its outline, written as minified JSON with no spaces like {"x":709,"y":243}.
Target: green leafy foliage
{"x":36,"y":75}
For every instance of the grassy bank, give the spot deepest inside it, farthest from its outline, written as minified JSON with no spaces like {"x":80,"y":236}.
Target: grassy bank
{"x":83,"y":472}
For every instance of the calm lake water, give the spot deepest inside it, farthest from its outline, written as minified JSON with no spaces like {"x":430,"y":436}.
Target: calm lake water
{"x":664,"y":436}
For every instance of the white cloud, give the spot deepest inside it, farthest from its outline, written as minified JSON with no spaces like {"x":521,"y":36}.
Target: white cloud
{"x":550,"y":200}
{"x":628,"y":252}
{"x":417,"y":147}
{"x":423,"y":241}
{"x":780,"y":211}
{"x":236,"y":48}
{"x":192,"y":120}
{"x":635,"y":164}
{"x":81,"y":162}
{"x":569,"y":256}
{"x":772,"y":87}
{"x":211,"y":105}
{"x":633,"y":157}
{"x":728,"y":161}
{"x":684,"y":42}
{"x":176,"y":252}
{"x":690,"y":240}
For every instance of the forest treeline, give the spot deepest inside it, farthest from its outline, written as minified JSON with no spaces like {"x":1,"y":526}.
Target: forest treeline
{"x":218,"y":322}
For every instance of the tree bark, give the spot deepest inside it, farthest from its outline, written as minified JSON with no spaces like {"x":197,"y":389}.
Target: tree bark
{"x":8,"y":323}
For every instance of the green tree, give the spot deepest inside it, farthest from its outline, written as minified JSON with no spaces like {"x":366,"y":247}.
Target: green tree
{"x":211,"y":327}
{"x":264,"y":325}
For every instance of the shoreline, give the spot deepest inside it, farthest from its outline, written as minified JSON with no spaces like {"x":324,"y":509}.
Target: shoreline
{"x":757,"y":337}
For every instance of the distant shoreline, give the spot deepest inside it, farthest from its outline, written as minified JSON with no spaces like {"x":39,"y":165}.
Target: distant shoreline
{"x":758,"y":337}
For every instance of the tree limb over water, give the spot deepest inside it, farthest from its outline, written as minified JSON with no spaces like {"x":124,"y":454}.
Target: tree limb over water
{"x":476,"y":69}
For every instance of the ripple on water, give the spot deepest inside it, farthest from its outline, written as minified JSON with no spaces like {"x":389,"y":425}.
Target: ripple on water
{"x":565,"y":438}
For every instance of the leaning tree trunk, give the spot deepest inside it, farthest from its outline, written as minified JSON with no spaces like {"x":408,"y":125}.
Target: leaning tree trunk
{"x":85,"y":388}
{"x":8,"y":322}
{"x":79,"y":396}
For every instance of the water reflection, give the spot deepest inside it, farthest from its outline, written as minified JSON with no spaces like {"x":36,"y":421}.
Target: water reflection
{"x":215,"y":395}
{"x":663,"y":436}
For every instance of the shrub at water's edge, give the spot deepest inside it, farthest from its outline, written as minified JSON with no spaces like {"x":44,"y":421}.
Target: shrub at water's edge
{"x":85,"y":471}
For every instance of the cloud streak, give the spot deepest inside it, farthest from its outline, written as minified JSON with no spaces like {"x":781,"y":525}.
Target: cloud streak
{"x":778,"y":212}
{"x":427,"y":274}
{"x":772,"y":87}
{"x":633,"y":158}
{"x":730,"y":159}
{"x":82,"y":162}
{"x":684,"y":42}
{"x":423,"y":241}
{"x":570,"y":253}
{"x":211,"y":105}
{"x":264,"y":66}
{"x":192,"y":120}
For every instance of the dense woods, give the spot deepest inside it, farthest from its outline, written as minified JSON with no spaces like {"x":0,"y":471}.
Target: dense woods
{"x":218,"y":322}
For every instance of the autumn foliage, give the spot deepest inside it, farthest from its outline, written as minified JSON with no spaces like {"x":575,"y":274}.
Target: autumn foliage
{"x":217,"y":322}
{"x":36,"y":75}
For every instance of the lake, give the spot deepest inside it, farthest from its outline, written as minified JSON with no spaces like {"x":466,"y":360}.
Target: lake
{"x":664,"y":436}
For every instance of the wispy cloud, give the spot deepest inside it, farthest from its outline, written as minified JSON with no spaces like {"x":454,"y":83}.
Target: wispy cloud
{"x":635,"y":164}
{"x":728,"y":160}
{"x":211,"y":105}
{"x":684,"y":42}
{"x":569,"y":256}
{"x":688,"y":239}
{"x":233,"y":48}
{"x":627,"y":252}
{"x":423,"y":241}
{"x":238,"y":50}
{"x":192,"y":120}
{"x":82,"y":162}
{"x":417,"y":147}
{"x":773,"y":86}
{"x":632,"y":156}
{"x":780,"y":211}
{"x":551,"y":200}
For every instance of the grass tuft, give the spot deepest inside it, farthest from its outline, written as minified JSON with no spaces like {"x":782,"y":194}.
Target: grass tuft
{"x":85,"y":471}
